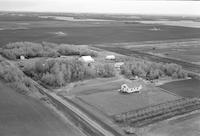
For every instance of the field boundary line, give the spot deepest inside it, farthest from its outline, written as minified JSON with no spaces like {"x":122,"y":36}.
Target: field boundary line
{"x":169,"y":92}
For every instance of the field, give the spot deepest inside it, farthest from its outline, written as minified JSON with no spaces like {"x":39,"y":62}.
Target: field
{"x":113,"y":102}
{"x":100,"y":98}
{"x":172,"y":41}
{"x":24,"y":116}
{"x":184,"y":49}
{"x":183,"y":126}
{"x":103,"y":101}
{"x":99,"y":34}
{"x":185,"y":23}
{"x":185,"y":88}
{"x":117,"y":30}
{"x":102,"y":95}
{"x":92,"y":86}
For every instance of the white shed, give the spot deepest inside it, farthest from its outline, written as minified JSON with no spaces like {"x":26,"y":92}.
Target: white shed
{"x":119,"y":64}
{"x":22,"y":58}
{"x":87,"y":59}
{"x":110,"y":57}
{"x":60,"y":33}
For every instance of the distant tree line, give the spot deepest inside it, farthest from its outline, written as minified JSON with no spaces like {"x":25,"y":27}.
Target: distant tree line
{"x":152,"y":70}
{"x":59,"y":72}
{"x":30,"y":50}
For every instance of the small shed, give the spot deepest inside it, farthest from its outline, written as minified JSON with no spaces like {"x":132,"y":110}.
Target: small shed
{"x":118,"y":65}
{"x":110,"y":57}
{"x":60,"y":33}
{"x":134,"y":78}
{"x":22,"y":57}
{"x":87,"y":59}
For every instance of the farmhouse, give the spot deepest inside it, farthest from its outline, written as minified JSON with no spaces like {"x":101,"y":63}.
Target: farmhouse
{"x":125,"y":89}
{"x":110,"y":57}
{"x":87,"y":59}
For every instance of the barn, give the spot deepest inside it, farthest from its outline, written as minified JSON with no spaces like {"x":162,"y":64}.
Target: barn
{"x":87,"y":59}
{"x":110,"y":57}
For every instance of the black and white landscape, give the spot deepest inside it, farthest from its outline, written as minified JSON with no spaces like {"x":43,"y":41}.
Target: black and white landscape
{"x":99,"y":68}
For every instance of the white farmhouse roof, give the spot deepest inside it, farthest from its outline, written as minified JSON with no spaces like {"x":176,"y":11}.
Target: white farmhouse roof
{"x":125,"y":89}
{"x":110,"y":57}
{"x":88,"y":59}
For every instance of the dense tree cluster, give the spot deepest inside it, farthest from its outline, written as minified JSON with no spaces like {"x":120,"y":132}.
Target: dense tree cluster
{"x":14,"y":77}
{"x":68,"y":50}
{"x":27,"y":49}
{"x":58,"y":72}
{"x":30,"y":50}
{"x":152,"y":70}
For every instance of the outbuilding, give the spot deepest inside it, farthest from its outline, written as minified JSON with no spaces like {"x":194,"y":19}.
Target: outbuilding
{"x":118,"y":65}
{"x":62,"y":56}
{"x":22,"y":57}
{"x":110,"y":57}
{"x":87,"y":59}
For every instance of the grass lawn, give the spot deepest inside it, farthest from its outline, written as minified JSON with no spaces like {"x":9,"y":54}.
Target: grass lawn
{"x":113,"y":102}
{"x":92,"y":86}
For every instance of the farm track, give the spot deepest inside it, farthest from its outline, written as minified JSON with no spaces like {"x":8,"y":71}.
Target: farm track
{"x":186,"y":65}
{"x":95,"y":118}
